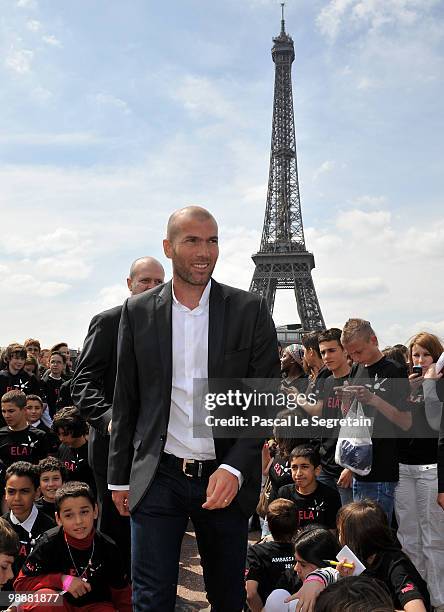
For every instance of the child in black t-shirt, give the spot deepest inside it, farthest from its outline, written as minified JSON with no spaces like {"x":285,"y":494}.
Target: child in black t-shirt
{"x":34,"y":411}
{"x":75,"y":560}
{"x":52,"y":380}
{"x":312,"y":547}
{"x":21,"y":490}
{"x":314,"y":501}
{"x":71,"y":429}
{"x":52,"y":474}
{"x":14,"y":376}
{"x":19,"y":441}
{"x":364,"y":528}
{"x":267,"y":560}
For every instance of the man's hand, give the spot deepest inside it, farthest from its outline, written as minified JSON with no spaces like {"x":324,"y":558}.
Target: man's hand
{"x":120,"y":499}
{"x":306,"y":596}
{"x":345,"y":479}
{"x":440,"y":500}
{"x":110,"y":424}
{"x":78,"y":587}
{"x":362,"y":394}
{"x":222,"y":489}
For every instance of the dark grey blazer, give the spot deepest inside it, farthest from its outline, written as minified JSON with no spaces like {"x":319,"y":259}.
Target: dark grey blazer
{"x":241,"y":344}
{"x":92,"y":386}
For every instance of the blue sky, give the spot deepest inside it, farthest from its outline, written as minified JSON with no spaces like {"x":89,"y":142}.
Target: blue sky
{"x":115,"y":114}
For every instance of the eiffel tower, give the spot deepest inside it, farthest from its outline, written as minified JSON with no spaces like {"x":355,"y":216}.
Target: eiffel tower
{"x":283,"y":261}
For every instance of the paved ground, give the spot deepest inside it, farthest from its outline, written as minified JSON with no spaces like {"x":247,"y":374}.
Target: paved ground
{"x":191,"y":593}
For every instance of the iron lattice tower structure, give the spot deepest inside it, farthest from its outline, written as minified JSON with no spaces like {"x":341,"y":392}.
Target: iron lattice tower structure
{"x":283,"y":261}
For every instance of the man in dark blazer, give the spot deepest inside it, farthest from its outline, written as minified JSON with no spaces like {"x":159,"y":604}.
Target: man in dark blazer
{"x":92,"y":389}
{"x":189,"y":328}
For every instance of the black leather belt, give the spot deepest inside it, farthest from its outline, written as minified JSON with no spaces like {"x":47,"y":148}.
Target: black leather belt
{"x":190,"y":467}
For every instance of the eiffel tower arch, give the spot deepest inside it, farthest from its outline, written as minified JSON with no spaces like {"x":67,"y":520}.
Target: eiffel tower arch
{"x":283,"y":261}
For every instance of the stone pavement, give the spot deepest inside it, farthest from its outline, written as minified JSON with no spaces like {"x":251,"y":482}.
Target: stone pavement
{"x":191,"y":591}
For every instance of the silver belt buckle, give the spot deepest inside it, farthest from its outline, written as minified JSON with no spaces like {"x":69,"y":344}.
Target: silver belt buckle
{"x":185,"y":464}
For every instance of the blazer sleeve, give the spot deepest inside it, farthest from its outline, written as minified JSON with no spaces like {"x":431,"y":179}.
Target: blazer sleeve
{"x":87,"y":386}
{"x":125,"y":405}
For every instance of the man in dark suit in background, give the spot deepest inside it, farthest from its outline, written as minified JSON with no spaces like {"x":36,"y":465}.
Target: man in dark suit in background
{"x":92,"y":389}
{"x":188,"y":329}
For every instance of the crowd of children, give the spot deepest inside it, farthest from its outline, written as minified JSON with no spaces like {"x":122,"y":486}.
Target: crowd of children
{"x":388,"y":516}
{"x":314,"y":505}
{"x":49,"y":544}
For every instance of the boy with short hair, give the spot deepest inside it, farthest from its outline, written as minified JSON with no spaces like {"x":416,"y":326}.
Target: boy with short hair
{"x":77,"y":560}
{"x":266,"y":561}
{"x":318,"y":373}
{"x":14,"y":376}
{"x":34,"y":412}
{"x":71,"y":429}
{"x":52,"y":380}
{"x":314,"y":501}
{"x":19,"y":441}
{"x":21,"y":491}
{"x":335,"y":359}
{"x":382,"y":387}
{"x":52,"y":474}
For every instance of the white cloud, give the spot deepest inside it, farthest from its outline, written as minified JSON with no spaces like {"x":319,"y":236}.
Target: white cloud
{"x":52,"y":139}
{"x":105,"y":99}
{"x":202,"y":96}
{"x":33,"y":25}
{"x":61,"y":239}
{"x":325,"y":167}
{"x":68,"y":267}
{"x":51,"y":40}
{"x":111,"y":296}
{"x":27,"y":4}
{"x":345,"y":288}
{"x":41,"y":94}
{"x":330,"y":18}
{"x":19,"y":60}
{"x":365,"y":83}
{"x":363,"y":227}
{"x":368,"y":201}
{"x":374,"y":14}
{"x":27,"y":286}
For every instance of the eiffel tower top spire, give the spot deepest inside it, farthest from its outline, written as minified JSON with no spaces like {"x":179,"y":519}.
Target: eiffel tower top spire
{"x":282,"y":20}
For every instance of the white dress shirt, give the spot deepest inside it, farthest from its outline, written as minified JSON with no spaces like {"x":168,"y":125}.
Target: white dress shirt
{"x":190,"y":361}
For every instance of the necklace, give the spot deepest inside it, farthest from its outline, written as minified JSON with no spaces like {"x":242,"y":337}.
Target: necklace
{"x":82,"y":575}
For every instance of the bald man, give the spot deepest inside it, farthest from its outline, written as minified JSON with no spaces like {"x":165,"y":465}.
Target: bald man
{"x":189,"y":328}
{"x":92,"y":390}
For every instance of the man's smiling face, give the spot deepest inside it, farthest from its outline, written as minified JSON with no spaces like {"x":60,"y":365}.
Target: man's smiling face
{"x":194,"y":250}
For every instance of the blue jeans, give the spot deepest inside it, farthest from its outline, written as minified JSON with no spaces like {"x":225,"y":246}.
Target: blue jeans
{"x":346,"y":494}
{"x":157,"y":527}
{"x":381,"y":492}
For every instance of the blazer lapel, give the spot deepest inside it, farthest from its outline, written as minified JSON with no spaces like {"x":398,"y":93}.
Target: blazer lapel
{"x":216,"y":330}
{"x":165,"y":328}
